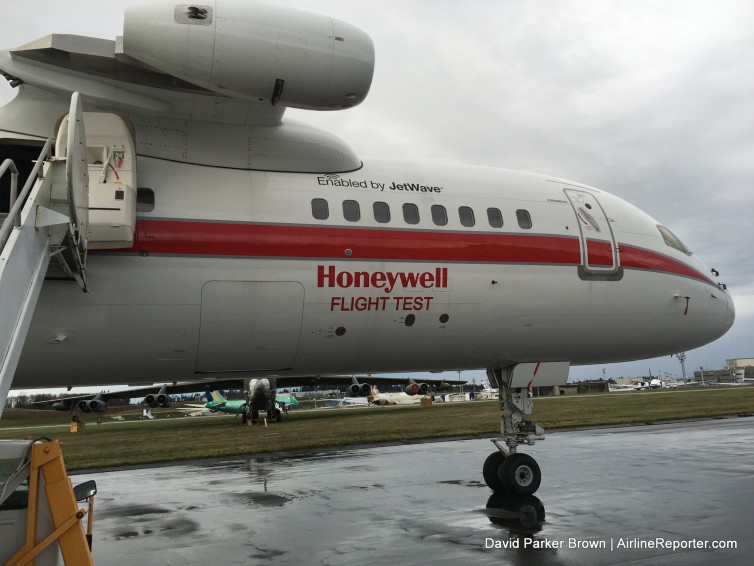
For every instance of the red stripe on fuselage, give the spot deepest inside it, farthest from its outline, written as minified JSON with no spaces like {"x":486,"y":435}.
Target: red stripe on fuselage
{"x":639,"y":258}
{"x":179,"y":237}
{"x":260,"y":240}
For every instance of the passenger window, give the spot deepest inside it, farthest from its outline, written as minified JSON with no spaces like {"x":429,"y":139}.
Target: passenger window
{"x":524,"y":219}
{"x":351,"y":210}
{"x":495,"y":217}
{"x":439,"y":215}
{"x":672,"y":240}
{"x":466,"y":215}
{"x":410,"y":213}
{"x":320,"y":210}
{"x":381,"y":212}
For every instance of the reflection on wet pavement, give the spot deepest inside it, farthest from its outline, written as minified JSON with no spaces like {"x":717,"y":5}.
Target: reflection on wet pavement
{"x":426,"y":504}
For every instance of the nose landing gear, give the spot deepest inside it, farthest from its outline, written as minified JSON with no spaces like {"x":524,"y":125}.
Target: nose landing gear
{"x":506,"y":470}
{"x":520,"y":474}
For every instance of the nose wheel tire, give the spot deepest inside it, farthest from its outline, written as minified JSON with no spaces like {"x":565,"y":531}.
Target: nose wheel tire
{"x":519,"y":474}
{"x":491,"y":471}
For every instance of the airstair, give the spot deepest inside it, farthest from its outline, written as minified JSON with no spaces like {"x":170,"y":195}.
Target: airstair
{"x":48,"y":219}
{"x":80,"y":195}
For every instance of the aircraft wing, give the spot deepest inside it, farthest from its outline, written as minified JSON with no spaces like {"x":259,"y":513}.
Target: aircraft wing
{"x":283,"y":382}
{"x":167,"y":388}
{"x":108,"y":80}
{"x":342,"y":380}
{"x":83,"y":397}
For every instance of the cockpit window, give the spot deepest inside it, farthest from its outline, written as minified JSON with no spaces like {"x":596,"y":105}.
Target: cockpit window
{"x":672,"y":240}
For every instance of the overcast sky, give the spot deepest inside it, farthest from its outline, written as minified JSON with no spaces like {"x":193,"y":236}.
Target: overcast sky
{"x":651,"y":101}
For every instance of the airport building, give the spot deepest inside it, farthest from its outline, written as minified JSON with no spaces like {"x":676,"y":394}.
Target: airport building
{"x":740,"y":363}
{"x":743,"y":368}
{"x":737,"y":370}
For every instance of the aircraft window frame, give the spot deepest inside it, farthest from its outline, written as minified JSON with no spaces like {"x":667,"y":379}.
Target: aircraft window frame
{"x":466,"y":216}
{"x":144,"y":200}
{"x":524,"y":219}
{"x":407,"y":216}
{"x":439,"y":215}
{"x":320,"y":209}
{"x":351,"y":210}
{"x":381,"y":212}
{"x":495,"y":217}
{"x":672,"y":240}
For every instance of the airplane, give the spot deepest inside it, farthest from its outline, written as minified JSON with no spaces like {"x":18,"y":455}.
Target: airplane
{"x":653,"y":383}
{"x":287,"y":400}
{"x":216,"y":239}
{"x":413,"y":392}
{"x":393,"y":398}
{"x":400,"y":398}
{"x":261,"y":394}
{"x":217,"y":403}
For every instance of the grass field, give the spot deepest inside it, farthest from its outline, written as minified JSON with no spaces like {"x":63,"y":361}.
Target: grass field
{"x":134,"y":442}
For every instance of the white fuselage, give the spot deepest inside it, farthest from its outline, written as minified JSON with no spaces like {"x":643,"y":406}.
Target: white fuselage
{"x":401,"y":398}
{"x":231,"y":274}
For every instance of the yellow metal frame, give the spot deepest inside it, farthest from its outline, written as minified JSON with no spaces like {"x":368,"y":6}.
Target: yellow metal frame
{"x":47,"y":459}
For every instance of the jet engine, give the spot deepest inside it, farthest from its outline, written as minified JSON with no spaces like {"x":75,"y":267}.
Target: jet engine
{"x":92,"y":406}
{"x":159,"y":400}
{"x":359,"y":390}
{"x":62,"y":406}
{"x":414,"y":388}
{"x":254,"y":52}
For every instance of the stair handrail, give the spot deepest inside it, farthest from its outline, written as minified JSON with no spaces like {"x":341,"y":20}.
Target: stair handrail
{"x":9,"y":164}
{"x":17,"y":201}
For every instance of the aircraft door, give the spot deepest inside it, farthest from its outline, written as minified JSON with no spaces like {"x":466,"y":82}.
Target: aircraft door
{"x":599,"y":253}
{"x":103,"y":163}
{"x":249,"y":325}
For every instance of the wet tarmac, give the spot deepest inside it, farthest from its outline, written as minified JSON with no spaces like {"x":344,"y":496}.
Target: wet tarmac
{"x":630,"y":492}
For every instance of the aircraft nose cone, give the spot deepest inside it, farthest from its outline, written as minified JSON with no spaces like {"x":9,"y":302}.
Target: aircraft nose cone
{"x":731,"y":313}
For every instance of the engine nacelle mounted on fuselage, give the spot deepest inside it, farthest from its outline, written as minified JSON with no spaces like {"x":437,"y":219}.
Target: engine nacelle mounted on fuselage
{"x":254,"y":52}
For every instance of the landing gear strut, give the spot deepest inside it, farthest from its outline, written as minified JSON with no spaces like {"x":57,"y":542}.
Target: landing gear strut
{"x":506,"y":470}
